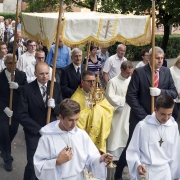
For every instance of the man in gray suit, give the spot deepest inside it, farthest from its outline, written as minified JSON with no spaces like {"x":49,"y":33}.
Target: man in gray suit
{"x":139,"y":96}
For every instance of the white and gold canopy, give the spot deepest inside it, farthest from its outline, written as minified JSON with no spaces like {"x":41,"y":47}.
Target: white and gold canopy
{"x":103,"y":29}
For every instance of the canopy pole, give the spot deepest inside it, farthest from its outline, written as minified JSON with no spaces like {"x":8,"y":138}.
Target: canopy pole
{"x":153,"y":53}
{"x":54,"y":61}
{"x":13,"y":62}
{"x":87,"y":55}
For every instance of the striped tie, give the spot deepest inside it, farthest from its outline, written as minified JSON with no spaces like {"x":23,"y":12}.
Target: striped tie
{"x":156,"y":78}
{"x":44,"y":94}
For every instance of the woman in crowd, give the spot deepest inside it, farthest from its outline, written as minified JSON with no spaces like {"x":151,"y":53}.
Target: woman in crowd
{"x":145,"y":58}
{"x":94,"y":62}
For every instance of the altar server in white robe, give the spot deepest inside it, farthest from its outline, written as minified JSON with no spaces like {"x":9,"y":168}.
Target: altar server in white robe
{"x":115,"y":93}
{"x":154,"y":150}
{"x":30,"y":69}
{"x":64,"y":150}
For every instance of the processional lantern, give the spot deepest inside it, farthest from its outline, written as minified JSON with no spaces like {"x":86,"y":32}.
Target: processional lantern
{"x":96,"y":93}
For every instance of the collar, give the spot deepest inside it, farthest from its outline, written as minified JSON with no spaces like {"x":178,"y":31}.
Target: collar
{"x":122,"y":78}
{"x":8,"y":74}
{"x":151,"y":119}
{"x":155,"y":69}
{"x":117,"y":57}
{"x":85,"y":93}
{"x":39,"y":84}
{"x":29,"y":54}
{"x":74,"y":130}
{"x":76,"y":67}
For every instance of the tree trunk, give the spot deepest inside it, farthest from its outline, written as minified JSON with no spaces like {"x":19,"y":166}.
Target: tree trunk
{"x":165,"y":37}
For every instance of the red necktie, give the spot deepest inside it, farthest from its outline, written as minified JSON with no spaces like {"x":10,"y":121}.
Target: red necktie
{"x":156,"y":78}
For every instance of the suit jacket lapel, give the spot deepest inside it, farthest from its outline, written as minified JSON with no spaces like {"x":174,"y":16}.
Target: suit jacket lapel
{"x":5,"y":78}
{"x":73,"y":71}
{"x":38,"y":96}
{"x":161,"y":77}
{"x":148,"y":73}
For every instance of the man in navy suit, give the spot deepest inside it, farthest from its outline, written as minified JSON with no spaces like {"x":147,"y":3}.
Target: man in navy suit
{"x":32,"y":111}
{"x":71,"y":74}
{"x":139,"y":96}
{"x":8,"y":132}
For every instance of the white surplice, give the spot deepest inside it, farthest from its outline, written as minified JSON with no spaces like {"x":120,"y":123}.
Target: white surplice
{"x":162,"y":162}
{"x":115,"y":93}
{"x":30,"y":69}
{"x":85,"y":154}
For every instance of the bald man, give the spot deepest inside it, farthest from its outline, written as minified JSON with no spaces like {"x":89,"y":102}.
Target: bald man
{"x":32,"y":111}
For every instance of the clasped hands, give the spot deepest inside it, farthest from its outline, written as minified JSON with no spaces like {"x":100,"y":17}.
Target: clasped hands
{"x":64,"y":156}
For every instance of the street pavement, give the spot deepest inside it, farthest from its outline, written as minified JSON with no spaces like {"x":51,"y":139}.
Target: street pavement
{"x":19,"y":152}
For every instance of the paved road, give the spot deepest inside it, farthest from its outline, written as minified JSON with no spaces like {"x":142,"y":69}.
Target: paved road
{"x":19,"y":154}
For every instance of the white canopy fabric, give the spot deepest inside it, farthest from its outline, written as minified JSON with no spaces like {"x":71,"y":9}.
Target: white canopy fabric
{"x":103,"y":29}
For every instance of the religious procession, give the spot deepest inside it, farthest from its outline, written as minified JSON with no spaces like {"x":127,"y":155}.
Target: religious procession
{"x":86,"y":114}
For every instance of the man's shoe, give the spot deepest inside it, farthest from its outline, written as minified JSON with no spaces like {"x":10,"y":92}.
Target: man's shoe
{"x":8,"y":167}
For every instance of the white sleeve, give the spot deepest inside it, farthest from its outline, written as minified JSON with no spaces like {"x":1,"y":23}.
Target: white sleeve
{"x":114,"y":99}
{"x":93,"y":164}
{"x":175,"y":162}
{"x":30,"y":76}
{"x":44,"y":165}
{"x":133,"y":152}
{"x":20,"y":63}
{"x":106,"y":67}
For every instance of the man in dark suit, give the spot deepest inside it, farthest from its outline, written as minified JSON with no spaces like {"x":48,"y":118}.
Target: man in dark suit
{"x":71,"y":74}
{"x":139,"y":96}
{"x":20,"y":45}
{"x":8,"y":132}
{"x":32,"y":111}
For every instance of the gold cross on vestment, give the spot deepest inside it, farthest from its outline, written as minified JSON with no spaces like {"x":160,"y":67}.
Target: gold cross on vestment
{"x":160,"y":142}
{"x":107,"y":28}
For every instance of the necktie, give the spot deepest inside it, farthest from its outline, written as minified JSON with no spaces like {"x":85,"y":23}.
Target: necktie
{"x":156,"y":78}
{"x":78,"y":74}
{"x":44,"y":94}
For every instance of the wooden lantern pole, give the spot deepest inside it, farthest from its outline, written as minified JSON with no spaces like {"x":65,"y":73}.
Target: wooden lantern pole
{"x":13,"y":62}
{"x":153,"y":53}
{"x":54,"y":61}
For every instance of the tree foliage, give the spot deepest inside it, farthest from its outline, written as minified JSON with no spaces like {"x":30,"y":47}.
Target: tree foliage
{"x":53,"y":5}
{"x":167,"y":13}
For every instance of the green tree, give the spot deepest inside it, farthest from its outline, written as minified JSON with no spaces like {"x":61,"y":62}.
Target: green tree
{"x":167,"y":13}
{"x":53,"y":5}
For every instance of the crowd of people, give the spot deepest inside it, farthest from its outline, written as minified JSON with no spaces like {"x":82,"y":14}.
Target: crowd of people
{"x":85,"y":134}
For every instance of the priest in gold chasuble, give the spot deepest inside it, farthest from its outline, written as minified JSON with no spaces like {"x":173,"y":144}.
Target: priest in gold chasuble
{"x":95,"y":118}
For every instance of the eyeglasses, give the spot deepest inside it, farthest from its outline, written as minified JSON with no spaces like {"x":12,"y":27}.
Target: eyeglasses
{"x":32,"y":45}
{"x":11,"y":63}
{"x":89,"y":81}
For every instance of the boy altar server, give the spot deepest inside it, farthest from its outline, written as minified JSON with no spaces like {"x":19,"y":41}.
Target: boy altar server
{"x":154,"y":150}
{"x":64,"y":150}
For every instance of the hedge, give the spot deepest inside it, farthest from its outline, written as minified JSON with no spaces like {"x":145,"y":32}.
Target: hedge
{"x":8,"y":15}
{"x":133,"y":52}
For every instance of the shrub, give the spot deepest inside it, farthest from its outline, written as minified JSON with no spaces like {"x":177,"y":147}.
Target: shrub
{"x":8,"y":15}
